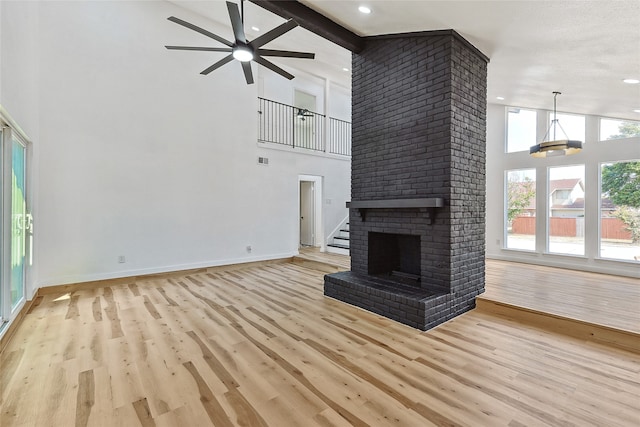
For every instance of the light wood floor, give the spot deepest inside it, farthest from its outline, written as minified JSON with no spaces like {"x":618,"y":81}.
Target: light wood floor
{"x":342,"y":262}
{"x":262,"y":346}
{"x":602,"y":299}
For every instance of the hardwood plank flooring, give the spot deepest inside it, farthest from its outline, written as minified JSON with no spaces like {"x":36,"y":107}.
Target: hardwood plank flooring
{"x":602,"y":299}
{"x":261,"y":346}
{"x":343,"y":262}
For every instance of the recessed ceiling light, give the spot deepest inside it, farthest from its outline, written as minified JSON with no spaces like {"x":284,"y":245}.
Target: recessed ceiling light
{"x":364,"y":9}
{"x":255,"y":28}
{"x":637,"y":111}
{"x":345,"y":69}
{"x":631,"y":81}
{"x":500,"y":98}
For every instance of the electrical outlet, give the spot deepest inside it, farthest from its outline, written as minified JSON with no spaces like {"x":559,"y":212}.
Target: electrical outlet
{"x":121,"y":259}
{"x":249,"y":248}
{"x":498,"y":242}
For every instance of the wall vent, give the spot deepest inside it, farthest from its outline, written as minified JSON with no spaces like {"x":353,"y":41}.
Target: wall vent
{"x":263,"y":161}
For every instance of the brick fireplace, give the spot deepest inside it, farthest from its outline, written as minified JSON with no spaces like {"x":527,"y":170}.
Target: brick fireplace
{"x":418,"y":179}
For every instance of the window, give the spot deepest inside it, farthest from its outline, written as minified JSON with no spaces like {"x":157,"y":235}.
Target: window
{"x":561,"y":196}
{"x":521,"y":209}
{"x":618,"y":129}
{"x":521,"y":129}
{"x":620,"y":210}
{"x":566,"y":210}
{"x":579,"y":215}
{"x":573,"y":126}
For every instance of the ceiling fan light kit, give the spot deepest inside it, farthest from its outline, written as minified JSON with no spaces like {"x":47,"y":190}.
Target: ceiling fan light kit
{"x":243,"y":53}
{"x":241,"y":49}
{"x":556,"y":147}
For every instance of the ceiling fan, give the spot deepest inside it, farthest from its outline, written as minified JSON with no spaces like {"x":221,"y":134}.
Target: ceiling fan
{"x":242,"y":49}
{"x":302,"y":113}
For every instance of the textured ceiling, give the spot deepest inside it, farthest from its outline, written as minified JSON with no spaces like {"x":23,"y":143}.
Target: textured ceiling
{"x":582,"y":48}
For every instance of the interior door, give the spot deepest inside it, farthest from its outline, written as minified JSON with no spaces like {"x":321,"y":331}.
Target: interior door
{"x":307,"y":213}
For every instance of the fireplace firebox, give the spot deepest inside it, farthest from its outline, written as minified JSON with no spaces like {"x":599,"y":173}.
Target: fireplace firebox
{"x":395,"y":257}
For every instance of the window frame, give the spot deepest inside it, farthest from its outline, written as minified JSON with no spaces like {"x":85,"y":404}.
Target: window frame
{"x":507,"y":127}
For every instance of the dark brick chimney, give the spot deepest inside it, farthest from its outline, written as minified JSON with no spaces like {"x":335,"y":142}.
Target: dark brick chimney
{"x":418,"y":141}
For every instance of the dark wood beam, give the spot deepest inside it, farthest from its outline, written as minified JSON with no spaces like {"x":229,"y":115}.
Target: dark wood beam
{"x":315,"y":22}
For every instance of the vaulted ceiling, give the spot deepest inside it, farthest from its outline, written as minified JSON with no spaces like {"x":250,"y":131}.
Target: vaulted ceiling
{"x":584,"y":49}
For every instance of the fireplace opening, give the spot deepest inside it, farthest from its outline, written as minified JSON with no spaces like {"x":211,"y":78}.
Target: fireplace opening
{"x":395,"y":257}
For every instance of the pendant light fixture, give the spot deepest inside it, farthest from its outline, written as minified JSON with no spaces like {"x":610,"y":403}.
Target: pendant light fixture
{"x":555,"y":147}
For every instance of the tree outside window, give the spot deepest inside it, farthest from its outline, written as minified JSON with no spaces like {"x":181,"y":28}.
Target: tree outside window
{"x":521,"y":209}
{"x":621,"y":185}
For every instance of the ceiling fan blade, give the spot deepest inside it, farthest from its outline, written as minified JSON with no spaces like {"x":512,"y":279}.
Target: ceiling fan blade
{"x":276,"y":32}
{"x":273,"y":67}
{"x":218,"y":64}
{"x":286,"y":54}
{"x":199,"y":30}
{"x":248,"y":75}
{"x":205,"y":49}
{"x":236,"y":22}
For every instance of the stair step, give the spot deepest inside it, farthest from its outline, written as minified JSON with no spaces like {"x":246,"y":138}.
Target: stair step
{"x":335,"y":250}
{"x":341,"y":238}
{"x":345,"y":230}
{"x":338,"y":245}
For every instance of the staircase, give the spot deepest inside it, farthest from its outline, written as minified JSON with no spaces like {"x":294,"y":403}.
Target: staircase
{"x":340,"y":242}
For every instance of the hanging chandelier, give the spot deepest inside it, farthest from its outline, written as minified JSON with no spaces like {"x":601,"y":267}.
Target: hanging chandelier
{"x":554,"y":146}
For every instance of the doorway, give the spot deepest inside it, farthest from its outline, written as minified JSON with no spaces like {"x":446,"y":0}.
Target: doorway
{"x":310,"y":211}
{"x":305,"y":119}
{"x":307,"y":213}
{"x":15,"y":220}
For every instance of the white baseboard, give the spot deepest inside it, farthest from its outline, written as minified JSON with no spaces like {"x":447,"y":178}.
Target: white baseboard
{"x":81,"y":278}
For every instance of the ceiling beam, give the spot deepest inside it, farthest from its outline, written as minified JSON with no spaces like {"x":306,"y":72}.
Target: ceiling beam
{"x":315,"y":22}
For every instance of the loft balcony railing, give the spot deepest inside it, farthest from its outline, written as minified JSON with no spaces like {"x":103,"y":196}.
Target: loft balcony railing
{"x":339,"y":137}
{"x":300,"y":128}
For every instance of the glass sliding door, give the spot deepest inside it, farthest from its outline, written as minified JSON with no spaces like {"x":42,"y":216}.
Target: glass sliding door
{"x":3,"y":293}
{"x":18,"y":221}
{"x":15,"y":221}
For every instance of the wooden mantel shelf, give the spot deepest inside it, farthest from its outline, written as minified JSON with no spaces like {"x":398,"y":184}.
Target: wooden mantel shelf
{"x":430,"y":203}
{"x":433,"y":202}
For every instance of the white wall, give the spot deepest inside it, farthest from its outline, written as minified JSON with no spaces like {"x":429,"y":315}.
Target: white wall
{"x":340,"y":103}
{"x":591,"y":156}
{"x":276,"y":88}
{"x":18,"y":63}
{"x":19,"y":32}
{"x":2,"y":35}
{"x":144,"y":157}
